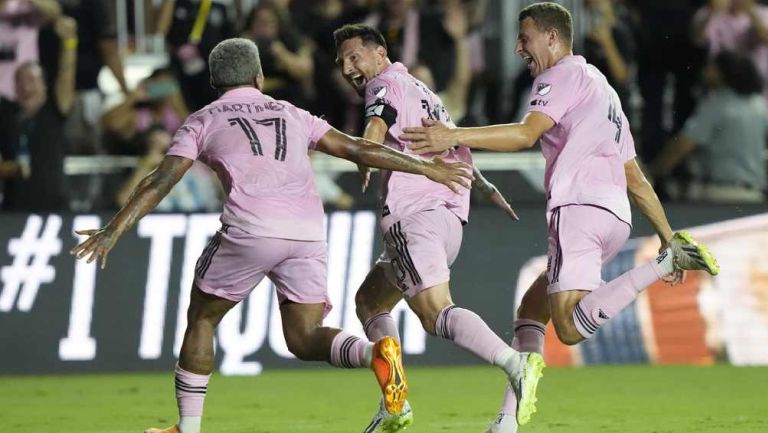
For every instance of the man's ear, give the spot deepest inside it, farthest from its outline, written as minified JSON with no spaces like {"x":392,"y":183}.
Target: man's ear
{"x":381,"y":51}
{"x":552,"y":36}
{"x":259,"y":82}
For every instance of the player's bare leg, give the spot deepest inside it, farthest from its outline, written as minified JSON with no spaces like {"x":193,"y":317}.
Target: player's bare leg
{"x":374,"y":301}
{"x":310,"y":341}
{"x":530,"y":326}
{"x":439,"y":316}
{"x":577,"y":315}
{"x":196,"y":359}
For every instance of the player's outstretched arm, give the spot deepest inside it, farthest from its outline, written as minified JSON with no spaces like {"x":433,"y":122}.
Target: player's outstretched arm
{"x":436,"y":137}
{"x":147,"y":194}
{"x":481,"y":184}
{"x":371,"y":154}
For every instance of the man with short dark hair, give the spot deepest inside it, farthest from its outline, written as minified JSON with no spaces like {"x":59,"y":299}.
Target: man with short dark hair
{"x":272,"y":225}
{"x":422,"y":224}
{"x":590,"y":167}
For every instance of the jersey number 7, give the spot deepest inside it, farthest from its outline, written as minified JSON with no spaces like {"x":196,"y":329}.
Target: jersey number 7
{"x":280,"y":142}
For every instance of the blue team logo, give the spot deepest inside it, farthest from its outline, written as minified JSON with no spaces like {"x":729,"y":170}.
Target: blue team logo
{"x":543,"y":89}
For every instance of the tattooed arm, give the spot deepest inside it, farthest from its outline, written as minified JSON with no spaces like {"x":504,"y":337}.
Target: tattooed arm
{"x":371,"y":154}
{"x":147,"y":194}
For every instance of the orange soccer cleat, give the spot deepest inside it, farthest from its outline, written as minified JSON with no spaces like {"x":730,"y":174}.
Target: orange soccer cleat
{"x":387,"y":364}
{"x":172,"y":429}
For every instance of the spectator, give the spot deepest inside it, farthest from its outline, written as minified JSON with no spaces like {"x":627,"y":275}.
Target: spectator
{"x":32,"y":143}
{"x":610,"y":45}
{"x":728,"y":131}
{"x":333,"y":97}
{"x":189,"y":45}
{"x":156,"y":101}
{"x":398,"y":21}
{"x":454,"y":96}
{"x":20,"y":22}
{"x":414,"y":36}
{"x":734,"y":25}
{"x":285,"y":58}
{"x":197,"y":191}
{"x":666,"y":58}
{"x":97,"y":35}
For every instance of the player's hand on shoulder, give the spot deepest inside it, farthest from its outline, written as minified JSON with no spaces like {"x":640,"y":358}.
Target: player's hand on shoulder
{"x":451,"y":174}
{"x":98,"y":244}
{"x":432,"y":137}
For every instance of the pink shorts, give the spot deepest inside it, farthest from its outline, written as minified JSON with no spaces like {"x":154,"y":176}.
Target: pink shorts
{"x":235,"y":262}
{"x":582,"y":239}
{"x":420,"y":249}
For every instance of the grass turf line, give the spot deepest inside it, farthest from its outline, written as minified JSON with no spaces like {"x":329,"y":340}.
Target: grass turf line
{"x":620,"y":399}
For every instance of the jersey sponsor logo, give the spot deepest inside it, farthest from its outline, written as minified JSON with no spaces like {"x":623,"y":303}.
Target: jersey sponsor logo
{"x":543,"y":89}
{"x":539,"y":103}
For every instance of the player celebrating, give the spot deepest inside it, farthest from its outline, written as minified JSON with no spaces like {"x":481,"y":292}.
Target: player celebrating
{"x":421,"y":224}
{"x":590,"y":168}
{"x":272,"y":225}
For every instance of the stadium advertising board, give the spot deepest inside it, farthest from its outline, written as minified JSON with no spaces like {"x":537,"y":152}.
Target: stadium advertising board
{"x":58,"y":315}
{"x":62,"y":315}
{"x":704,"y":320}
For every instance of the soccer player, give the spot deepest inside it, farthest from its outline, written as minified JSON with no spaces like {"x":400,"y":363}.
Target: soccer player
{"x":421,"y":224}
{"x":272,"y":224}
{"x":590,"y":169}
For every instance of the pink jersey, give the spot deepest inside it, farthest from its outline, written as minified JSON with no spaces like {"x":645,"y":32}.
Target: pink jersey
{"x":590,"y":142}
{"x":258,"y":147}
{"x":402,"y":101}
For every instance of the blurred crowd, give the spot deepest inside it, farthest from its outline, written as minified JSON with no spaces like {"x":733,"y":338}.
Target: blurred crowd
{"x":691,"y":76}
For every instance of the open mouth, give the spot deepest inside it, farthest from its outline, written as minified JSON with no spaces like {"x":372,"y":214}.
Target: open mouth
{"x":529,"y":61}
{"x":358,"y":80}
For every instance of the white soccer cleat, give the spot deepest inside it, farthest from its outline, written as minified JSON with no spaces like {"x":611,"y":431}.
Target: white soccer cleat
{"x":385,"y":422}
{"x":503,"y":424}
{"x":688,"y":255}
{"x":524,"y":382}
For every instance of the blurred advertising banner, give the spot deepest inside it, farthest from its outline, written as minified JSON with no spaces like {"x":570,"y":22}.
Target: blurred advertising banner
{"x":704,"y":320}
{"x":59,"y":315}
{"x":62,"y":315}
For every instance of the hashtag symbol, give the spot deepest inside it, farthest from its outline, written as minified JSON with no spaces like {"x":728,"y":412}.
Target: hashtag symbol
{"x":31,"y":254}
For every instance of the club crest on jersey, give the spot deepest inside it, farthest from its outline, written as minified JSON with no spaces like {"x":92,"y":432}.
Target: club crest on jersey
{"x":543,"y":89}
{"x":379,"y":92}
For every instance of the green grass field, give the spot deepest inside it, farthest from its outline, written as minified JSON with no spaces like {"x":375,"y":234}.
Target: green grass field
{"x":445,"y":400}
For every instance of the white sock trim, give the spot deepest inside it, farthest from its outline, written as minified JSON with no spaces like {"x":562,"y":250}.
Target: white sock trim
{"x":190,"y":424}
{"x":368,"y":354}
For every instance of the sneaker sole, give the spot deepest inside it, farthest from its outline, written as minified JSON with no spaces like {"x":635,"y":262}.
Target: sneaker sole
{"x":709,"y":260}
{"x":393,"y":384}
{"x":532,"y":373}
